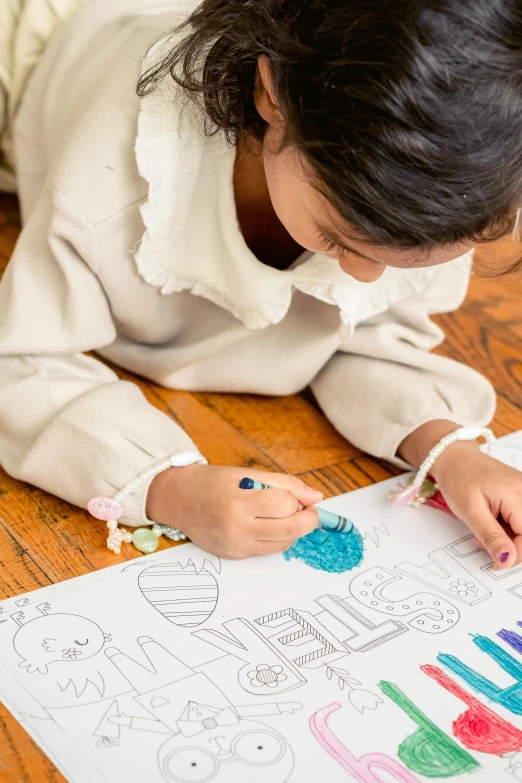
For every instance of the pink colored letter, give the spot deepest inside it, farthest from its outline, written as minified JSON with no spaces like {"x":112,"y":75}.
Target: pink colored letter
{"x":361,"y":769}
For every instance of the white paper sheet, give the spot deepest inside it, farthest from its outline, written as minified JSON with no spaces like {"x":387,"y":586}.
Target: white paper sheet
{"x":181,"y":667}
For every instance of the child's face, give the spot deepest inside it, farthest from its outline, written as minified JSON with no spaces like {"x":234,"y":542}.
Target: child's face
{"x":307,"y":215}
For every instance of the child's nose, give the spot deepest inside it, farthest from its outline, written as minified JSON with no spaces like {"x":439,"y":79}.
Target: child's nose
{"x":361,"y":270}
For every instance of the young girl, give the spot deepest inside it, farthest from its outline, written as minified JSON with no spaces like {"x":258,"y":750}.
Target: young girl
{"x":268,"y":197}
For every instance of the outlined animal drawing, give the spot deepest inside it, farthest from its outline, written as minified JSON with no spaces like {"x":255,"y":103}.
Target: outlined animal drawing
{"x":48,"y":638}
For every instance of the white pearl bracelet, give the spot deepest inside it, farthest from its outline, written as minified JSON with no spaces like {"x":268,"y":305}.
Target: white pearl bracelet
{"x":111,"y":509}
{"x":409,"y":495}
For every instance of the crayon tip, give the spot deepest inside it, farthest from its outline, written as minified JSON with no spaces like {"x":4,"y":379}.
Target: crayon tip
{"x":246,"y":483}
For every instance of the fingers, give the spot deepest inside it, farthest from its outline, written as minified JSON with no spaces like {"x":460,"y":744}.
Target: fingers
{"x":288,"y":529}
{"x":515,"y":523}
{"x":491,"y":535}
{"x":512,"y":522}
{"x":271,"y":503}
{"x":304,"y":494}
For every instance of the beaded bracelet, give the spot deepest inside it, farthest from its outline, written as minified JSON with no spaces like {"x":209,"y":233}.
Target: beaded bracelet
{"x":409,"y":496}
{"x":110,"y":510}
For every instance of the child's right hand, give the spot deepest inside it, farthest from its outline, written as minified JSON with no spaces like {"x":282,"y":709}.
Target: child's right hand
{"x":206,"y":503}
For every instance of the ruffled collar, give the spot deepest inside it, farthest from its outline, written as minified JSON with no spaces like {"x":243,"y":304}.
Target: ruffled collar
{"x":193,"y":242}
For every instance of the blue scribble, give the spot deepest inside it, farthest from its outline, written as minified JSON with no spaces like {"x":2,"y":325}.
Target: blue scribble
{"x":328,"y":550}
{"x":510,"y":697}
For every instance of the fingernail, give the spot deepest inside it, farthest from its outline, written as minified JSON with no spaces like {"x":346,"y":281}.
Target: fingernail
{"x":504,"y":556}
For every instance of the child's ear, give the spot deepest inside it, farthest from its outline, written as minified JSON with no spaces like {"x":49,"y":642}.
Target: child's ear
{"x":264,"y":94}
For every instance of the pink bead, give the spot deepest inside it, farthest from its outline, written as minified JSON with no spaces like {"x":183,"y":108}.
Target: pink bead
{"x":104,"y":508}
{"x":406,"y":496}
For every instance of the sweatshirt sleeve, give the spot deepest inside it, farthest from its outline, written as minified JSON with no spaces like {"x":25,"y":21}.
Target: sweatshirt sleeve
{"x":67,"y":423}
{"x":384,"y":383}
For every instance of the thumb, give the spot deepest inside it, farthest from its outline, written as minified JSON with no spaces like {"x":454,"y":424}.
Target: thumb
{"x":304,"y":494}
{"x":492,"y":536}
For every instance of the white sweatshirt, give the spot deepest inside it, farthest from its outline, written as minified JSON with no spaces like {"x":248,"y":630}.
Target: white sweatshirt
{"x":131,"y":248}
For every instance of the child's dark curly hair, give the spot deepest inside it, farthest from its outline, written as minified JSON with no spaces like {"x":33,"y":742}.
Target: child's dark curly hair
{"x":408,"y":112}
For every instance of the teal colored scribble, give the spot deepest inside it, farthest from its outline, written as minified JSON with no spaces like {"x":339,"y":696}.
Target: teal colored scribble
{"x":510,"y":697}
{"x":328,"y":551}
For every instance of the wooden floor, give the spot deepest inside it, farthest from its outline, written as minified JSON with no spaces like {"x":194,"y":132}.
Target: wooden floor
{"x":43,"y":540}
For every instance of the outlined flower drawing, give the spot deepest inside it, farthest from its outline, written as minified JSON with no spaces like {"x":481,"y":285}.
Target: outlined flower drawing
{"x":263,"y":674}
{"x":72,"y":653}
{"x":364,"y":700}
{"x":464,"y":589}
{"x":360,"y":698}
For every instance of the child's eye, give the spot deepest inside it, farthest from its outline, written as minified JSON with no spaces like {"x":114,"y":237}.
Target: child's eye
{"x":81,"y":644}
{"x":329,"y":245}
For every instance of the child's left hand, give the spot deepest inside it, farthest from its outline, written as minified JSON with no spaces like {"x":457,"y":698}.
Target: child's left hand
{"x":480,"y":491}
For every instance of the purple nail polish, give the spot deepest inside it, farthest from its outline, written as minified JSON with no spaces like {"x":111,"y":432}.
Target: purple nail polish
{"x":504,"y":556}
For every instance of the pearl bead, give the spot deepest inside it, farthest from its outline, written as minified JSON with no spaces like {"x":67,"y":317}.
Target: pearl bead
{"x":101,"y":505}
{"x":184,"y":458}
{"x":469,"y":433}
{"x":462,"y":434}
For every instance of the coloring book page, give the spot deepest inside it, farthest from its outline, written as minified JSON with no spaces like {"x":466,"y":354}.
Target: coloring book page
{"x":184,"y":668}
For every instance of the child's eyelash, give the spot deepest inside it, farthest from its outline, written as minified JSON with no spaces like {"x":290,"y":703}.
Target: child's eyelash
{"x":332,"y":246}
{"x":329,"y":245}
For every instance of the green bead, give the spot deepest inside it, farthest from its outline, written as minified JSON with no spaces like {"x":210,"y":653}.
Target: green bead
{"x":428,"y":489}
{"x":145,"y":540}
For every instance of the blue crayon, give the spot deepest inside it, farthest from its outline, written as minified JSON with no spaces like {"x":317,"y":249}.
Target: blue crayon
{"x":327,"y":519}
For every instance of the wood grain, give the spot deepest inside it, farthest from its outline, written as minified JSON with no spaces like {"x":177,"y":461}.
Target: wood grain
{"x":44,"y":540}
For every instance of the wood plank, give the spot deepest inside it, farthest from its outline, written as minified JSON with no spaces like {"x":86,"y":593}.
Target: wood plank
{"x":221,"y":441}
{"x":347,"y":476}
{"x":21,"y":760}
{"x":20,"y":571}
{"x":468,"y":341}
{"x":8,"y":483}
{"x":508,"y":417}
{"x":291,"y":431}
{"x":9,"y":228}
